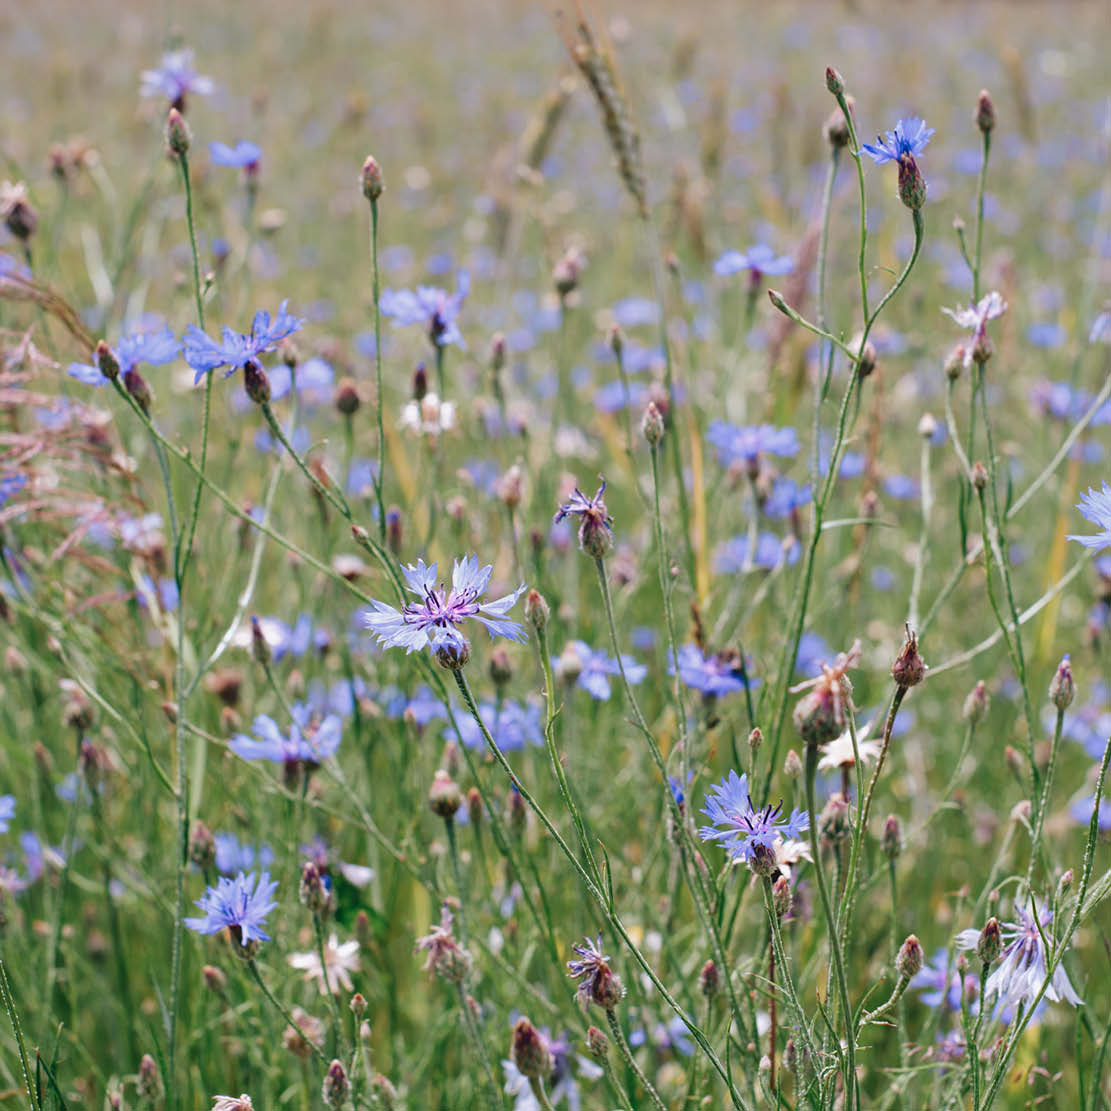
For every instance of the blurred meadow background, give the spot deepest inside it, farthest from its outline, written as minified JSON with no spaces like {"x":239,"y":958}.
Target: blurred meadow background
{"x":196,"y":696}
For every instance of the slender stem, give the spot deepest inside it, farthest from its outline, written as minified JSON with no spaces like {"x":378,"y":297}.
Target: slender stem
{"x":318,"y":931}
{"x":475,"y":1034}
{"x":1043,"y":806}
{"x":980,"y":188}
{"x":849,"y":1071}
{"x":854,"y":150}
{"x":630,"y":1060}
{"x":252,"y":967}
{"x":536,"y":1085}
{"x":457,"y":873}
{"x":379,"y":478}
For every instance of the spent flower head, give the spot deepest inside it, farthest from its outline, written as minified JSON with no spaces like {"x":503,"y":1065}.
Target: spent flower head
{"x":975,"y":318}
{"x":597,"y":981}
{"x":596,"y":528}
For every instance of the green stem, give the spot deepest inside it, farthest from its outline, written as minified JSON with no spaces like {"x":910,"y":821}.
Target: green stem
{"x":380,"y":477}
{"x":252,"y":968}
{"x":341,"y":1037}
{"x":630,"y":1060}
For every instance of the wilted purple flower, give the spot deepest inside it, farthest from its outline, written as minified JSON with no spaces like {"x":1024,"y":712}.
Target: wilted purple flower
{"x":596,"y":529}
{"x":909,"y":137}
{"x":174,"y":78}
{"x":155,"y":348}
{"x":239,"y":905}
{"x":1021,"y":971}
{"x":303,"y":744}
{"x":446,"y":957}
{"x":975,"y":318}
{"x":759,"y":260}
{"x":434,"y":621}
{"x":717,"y":674}
{"x":1096,"y":507}
{"x":237,"y":349}
{"x":745,"y":445}
{"x":597,"y":981}
{"x":243,"y":156}
{"x":430,"y":306}
{"x":741,"y":828}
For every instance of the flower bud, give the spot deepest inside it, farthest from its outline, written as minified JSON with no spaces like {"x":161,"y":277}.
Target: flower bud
{"x":393,"y":529}
{"x":866,"y":363}
{"x":149,"y":1083}
{"x":990,"y":944}
{"x":892,"y":838}
{"x":792,"y":765}
{"x":537,"y":610}
{"x":385,"y":1093}
{"x":762,"y":861}
{"x":976,"y":704}
{"x":107,"y":362}
{"x":616,"y":339}
{"x":909,"y":669}
{"x":511,"y":487}
{"x":444,"y":796}
{"x":453,"y":655}
{"x":985,"y":112}
{"x":346,"y":398}
{"x":177,"y":133}
{"x":501,"y":670}
{"x":518,"y":812}
{"x":371,"y":179}
{"x":597,"y":1043}
{"x":214,"y":979}
{"x":979,"y":476}
{"x":709,"y":980}
{"x":781,"y":896}
{"x":20,"y":217}
{"x":256,"y":382}
{"x":927,"y":426}
{"x":954,"y":363}
{"x":474,"y":806}
{"x":314,"y":891}
{"x":497,"y":351}
{"x":908,"y":961}
{"x":202,"y":846}
{"x":136,"y":385}
{"x":336,"y":1087}
{"x":836,"y":127}
{"x":834,"y":81}
{"x":530,"y":1052}
{"x":1062,"y":689}
{"x":260,"y":650}
{"x":652,"y":424}
{"x":912,"y":186}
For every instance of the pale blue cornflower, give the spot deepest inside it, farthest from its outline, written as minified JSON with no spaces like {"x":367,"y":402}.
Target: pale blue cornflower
{"x":154,"y":348}
{"x":10,"y":485}
{"x":717,"y":674}
{"x":244,"y":155}
{"x":1096,"y":507}
{"x":304,"y":744}
{"x":909,"y":137}
{"x":434,"y":621}
{"x":746,"y":444}
{"x":742,"y":829}
{"x":1021,"y":971}
{"x":510,"y":724}
{"x":239,"y":905}
{"x":174,"y":78}
{"x":7,"y":811}
{"x":592,"y":670}
{"x":941,"y":984}
{"x":431,"y":306}
{"x":233,"y":856}
{"x":758,"y":260}
{"x":236,"y":349}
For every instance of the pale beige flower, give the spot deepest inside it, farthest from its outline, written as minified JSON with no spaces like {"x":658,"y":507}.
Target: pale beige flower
{"x":232,"y":1103}
{"x":839,"y":753}
{"x":339,"y":960}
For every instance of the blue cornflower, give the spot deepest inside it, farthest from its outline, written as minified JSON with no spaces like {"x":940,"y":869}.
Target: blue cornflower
{"x":237,"y":349}
{"x":940,"y":984}
{"x":303,"y":745}
{"x":422,"y":707}
{"x":155,"y":348}
{"x":760,"y":260}
{"x":511,"y":725}
{"x":434,"y":621}
{"x":909,"y":137}
{"x":429,"y":305}
{"x":596,"y":529}
{"x":786,"y":497}
{"x":243,"y":156}
{"x":679,"y":789}
{"x":239,"y":905}
{"x":233,"y":856}
{"x":1096,"y":507}
{"x":174,"y":78}
{"x":718,"y":674}
{"x":734,"y":556}
{"x":1021,"y":971}
{"x":10,"y":485}
{"x":7,"y":811}
{"x":744,"y":832}
{"x":1081,"y":811}
{"x":745,"y":445}
{"x":592,"y":670}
